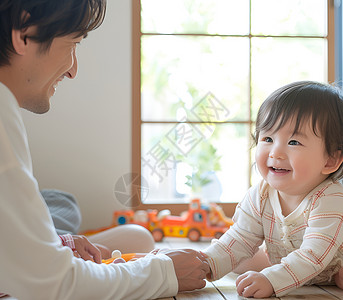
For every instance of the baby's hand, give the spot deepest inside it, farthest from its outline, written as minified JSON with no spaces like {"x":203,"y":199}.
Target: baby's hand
{"x":85,"y":249}
{"x":254,"y":284}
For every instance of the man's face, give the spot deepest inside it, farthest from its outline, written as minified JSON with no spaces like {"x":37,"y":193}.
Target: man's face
{"x":45,"y":70}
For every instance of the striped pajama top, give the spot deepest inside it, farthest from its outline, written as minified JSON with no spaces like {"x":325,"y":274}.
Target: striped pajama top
{"x":304,"y":247}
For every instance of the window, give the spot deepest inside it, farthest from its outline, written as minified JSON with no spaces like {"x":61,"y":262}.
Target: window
{"x":201,"y":68}
{"x":197,"y":217}
{"x":338,"y":42}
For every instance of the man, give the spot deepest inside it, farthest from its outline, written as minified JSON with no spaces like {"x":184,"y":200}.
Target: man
{"x":38,"y":39}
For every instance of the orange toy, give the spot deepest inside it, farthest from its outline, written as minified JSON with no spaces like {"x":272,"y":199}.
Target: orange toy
{"x":199,"y":221}
{"x":127,"y":257}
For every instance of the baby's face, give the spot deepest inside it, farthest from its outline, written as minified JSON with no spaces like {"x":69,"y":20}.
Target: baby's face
{"x":291,"y":163}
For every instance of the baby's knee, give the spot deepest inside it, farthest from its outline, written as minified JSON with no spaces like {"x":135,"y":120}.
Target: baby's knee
{"x":141,"y":238}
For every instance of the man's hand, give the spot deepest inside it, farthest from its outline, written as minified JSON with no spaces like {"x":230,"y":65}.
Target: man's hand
{"x":254,"y":284}
{"x":85,"y":249}
{"x":190,"y":267}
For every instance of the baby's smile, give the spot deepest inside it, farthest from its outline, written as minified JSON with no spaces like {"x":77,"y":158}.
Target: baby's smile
{"x":279,"y":170}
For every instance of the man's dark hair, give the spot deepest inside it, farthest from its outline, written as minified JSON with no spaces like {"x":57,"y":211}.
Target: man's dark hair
{"x":306,"y":101}
{"x":52,"y":18}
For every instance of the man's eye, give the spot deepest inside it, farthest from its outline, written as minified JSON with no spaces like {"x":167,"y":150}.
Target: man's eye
{"x":294,"y":143}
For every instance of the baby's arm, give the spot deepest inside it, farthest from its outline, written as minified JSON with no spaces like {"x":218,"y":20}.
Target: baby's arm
{"x":241,"y":241}
{"x":254,"y":284}
{"x":81,"y":247}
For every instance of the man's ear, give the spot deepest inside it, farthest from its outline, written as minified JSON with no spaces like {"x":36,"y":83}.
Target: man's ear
{"x":19,"y":41}
{"x":333,"y":163}
{"x":20,"y":37}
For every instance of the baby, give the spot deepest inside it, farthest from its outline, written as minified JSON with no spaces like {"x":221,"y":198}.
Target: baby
{"x":297,"y":208}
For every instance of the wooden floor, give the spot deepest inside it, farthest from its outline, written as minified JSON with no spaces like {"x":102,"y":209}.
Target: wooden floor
{"x":225,"y":288}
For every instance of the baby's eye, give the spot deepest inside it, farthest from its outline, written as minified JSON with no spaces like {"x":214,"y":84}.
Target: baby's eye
{"x":294,"y":143}
{"x":267,"y":139}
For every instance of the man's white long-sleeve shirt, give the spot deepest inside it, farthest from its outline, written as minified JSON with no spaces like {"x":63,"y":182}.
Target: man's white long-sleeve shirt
{"x":33,"y":262}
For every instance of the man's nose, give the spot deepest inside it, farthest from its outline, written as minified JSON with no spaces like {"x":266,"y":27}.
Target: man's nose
{"x":71,"y":73}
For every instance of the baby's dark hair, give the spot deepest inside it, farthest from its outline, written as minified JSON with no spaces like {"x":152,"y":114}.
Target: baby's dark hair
{"x":321,"y":104}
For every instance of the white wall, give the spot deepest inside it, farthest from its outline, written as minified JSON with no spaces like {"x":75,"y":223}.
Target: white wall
{"x":83,"y":144}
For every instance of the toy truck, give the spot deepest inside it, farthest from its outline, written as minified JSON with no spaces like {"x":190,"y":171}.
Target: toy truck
{"x":199,"y":221}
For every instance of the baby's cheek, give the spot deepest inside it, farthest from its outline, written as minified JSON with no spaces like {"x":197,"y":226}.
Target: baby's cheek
{"x":261,"y":162}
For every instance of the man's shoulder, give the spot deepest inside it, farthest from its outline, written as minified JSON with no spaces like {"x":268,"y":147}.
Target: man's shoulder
{"x":7,"y":100}
{"x":13,"y":140}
